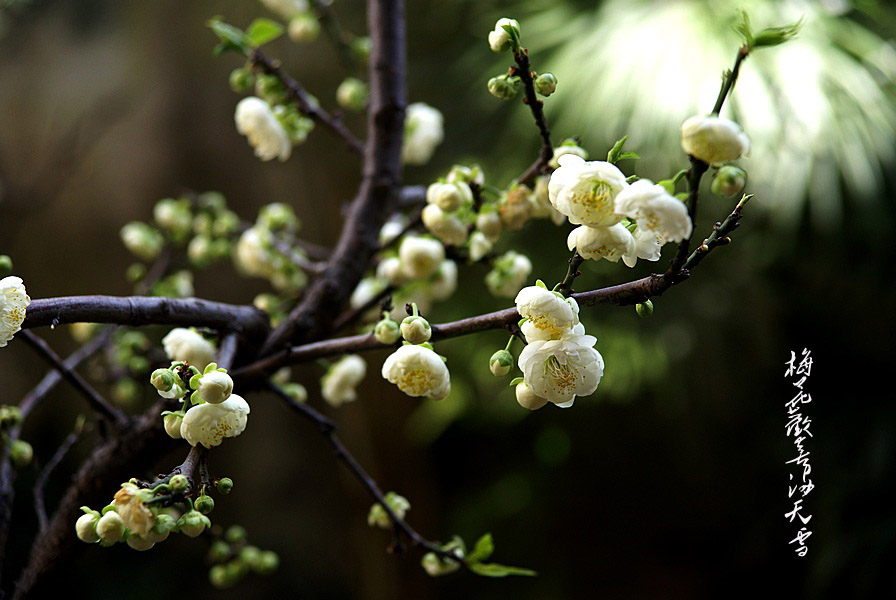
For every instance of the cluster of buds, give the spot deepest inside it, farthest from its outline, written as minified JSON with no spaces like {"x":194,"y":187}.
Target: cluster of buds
{"x":233,"y":558}
{"x":378,"y":517}
{"x":506,"y":36}
{"x":20,"y":451}
{"x":260,"y":253}
{"x":415,"y":367}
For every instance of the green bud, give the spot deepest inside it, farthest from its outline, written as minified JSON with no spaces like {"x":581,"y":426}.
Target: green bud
{"x":204,"y":504}
{"x":135,"y":272}
{"x":387,"y":331}
{"x":173,"y":216}
{"x":219,"y":551}
{"x":773,"y":36}
{"x":644,"y":309}
{"x":352,"y":94}
{"x":10,"y":416}
{"x":545,"y":84}
{"x":21,"y":453}
{"x":269,"y":89}
{"x":729,"y":181}
{"x":138,"y":364}
{"x":361,"y":48}
{"x":277,"y":216}
{"x":267,"y":563}
{"x":415,"y":329}
{"x":126,"y":391}
{"x":5,"y":265}
{"x":236,"y":569}
{"x":110,"y":527}
{"x":296,"y":391}
{"x":235,"y":534}
{"x":142,"y":240}
{"x":303,"y":28}
{"x":199,"y":251}
{"x":500,"y":363}
{"x":503,"y":87}
{"x":163,"y":380}
{"x":179,"y":484}
{"x":193,"y":523}
{"x":224,"y":485}
{"x":85,"y":527}
{"x":164,"y":523}
{"x":241,"y":80}
{"x":219,"y":577}
{"x":249,"y":555}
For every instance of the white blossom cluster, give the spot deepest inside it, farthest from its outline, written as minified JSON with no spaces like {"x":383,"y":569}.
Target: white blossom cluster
{"x":559,"y":361}
{"x":13,"y":302}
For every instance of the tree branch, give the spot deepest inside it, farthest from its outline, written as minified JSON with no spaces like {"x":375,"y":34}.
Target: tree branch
{"x":378,"y":192}
{"x":536,"y":106}
{"x":41,"y":482}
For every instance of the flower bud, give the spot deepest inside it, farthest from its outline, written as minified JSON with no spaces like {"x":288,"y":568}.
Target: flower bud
{"x":193,"y":523}
{"x":303,"y":28}
{"x":204,"y":504}
{"x":163,"y":379}
{"x":215,"y":387}
{"x":5,"y":265}
{"x":173,"y":216}
{"x":434,"y":565}
{"x":139,"y":543}
{"x":445,"y":226}
{"x":479,"y":246}
{"x":110,"y":528}
{"x":713,"y":139}
{"x":10,"y":416}
{"x":352,"y":94}
{"x":219,"y":551}
{"x":415,"y":330}
{"x":142,"y":240}
{"x":179,"y":484}
{"x":249,"y":555}
{"x":200,"y":251}
{"x":449,"y":196}
{"x":545,"y":84}
{"x":390,"y":270}
{"x":500,"y":40}
{"x":85,"y":527}
{"x":224,"y":485}
{"x":380,"y":518}
{"x":172,"y":423}
{"x":644,"y":309}
{"x":465,"y":174}
{"x":729,"y":181}
{"x":21,"y":453}
{"x":267,"y":563}
{"x":277,"y":216}
{"x":515,"y":207}
{"x":420,"y":257}
{"x":219,"y":577}
{"x":567,"y":146}
{"x":241,"y":80}
{"x":386,"y":331}
{"x":235,"y":534}
{"x":500,"y":363}
{"x":503,"y":87}
{"x":527,"y":398}
{"x":296,"y":391}
{"x":489,"y":223}
{"x":164,"y":524}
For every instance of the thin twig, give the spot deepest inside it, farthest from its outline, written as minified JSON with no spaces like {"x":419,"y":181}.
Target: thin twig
{"x":297,"y":94}
{"x":44,"y":475}
{"x":353,"y":314}
{"x":111,"y":413}
{"x":336,"y":34}
{"x":536,"y":106}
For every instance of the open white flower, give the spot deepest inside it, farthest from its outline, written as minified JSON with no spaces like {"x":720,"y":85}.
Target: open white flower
{"x":648,"y":246}
{"x":595,"y":243}
{"x":13,"y":302}
{"x":255,"y":119}
{"x":209,"y":424}
{"x":338,"y":385}
{"x":548,"y":314}
{"x":420,"y":257}
{"x":445,"y":226}
{"x":129,"y":504}
{"x":654,"y":209}
{"x":418,"y":371}
{"x":188,"y":345}
{"x":422,"y":133}
{"x":713,"y":139}
{"x":560,"y":370}
{"x":584,"y":191}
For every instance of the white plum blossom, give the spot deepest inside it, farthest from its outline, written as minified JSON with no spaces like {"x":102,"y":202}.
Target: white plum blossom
{"x":255,"y":119}
{"x":489,"y":223}
{"x":563,"y":150}
{"x":548,"y":314}
{"x":510,"y":272}
{"x":584,"y":191}
{"x":13,"y":302}
{"x":595,"y":243}
{"x":527,"y":398}
{"x":499,"y":39}
{"x":418,"y":371}
{"x":444,"y":283}
{"x":423,"y":131}
{"x":445,"y":226}
{"x":560,"y":370}
{"x":189,"y":345}
{"x":449,"y":196}
{"x":85,"y":527}
{"x":713,"y":139}
{"x":209,"y":424}
{"x":420,"y":257}
{"x":130,"y":505}
{"x":252,"y":256}
{"x":338,"y":386}
{"x":654,"y":209}
{"x":648,"y":246}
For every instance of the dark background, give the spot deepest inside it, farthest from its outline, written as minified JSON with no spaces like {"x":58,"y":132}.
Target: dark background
{"x":669,"y":482}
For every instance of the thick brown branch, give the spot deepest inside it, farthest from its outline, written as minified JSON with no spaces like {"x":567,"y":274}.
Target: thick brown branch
{"x":379,"y":189}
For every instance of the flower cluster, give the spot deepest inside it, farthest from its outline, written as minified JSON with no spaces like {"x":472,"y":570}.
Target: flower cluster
{"x":559,"y":361}
{"x":258,"y":254}
{"x":415,"y":367}
{"x":13,"y":302}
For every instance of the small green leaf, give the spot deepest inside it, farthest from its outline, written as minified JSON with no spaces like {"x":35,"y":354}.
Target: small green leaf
{"x":482,"y":550}
{"x":541,"y":284}
{"x":744,"y":29}
{"x":210,"y":367}
{"x":496,"y":570}
{"x":516,"y":381}
{"x":230,"y":37}
{"x":627,"y":154}
{"x":262,"y":31}
{"x":616,"y":150}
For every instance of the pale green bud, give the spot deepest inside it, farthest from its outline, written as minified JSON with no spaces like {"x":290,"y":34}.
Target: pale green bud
{"x":500,"y":363}
{"x":489,"y":223}
{"x":352,"y":94}
{"x":215,"y":387}
{"x":172,"y":423}
{"x":249,"y":555}
{"x":269,"y":89}
{"x":296,"y":391}
{"x":303,"y":28}
{"x":173,"y":216}
{"x":415,"y":330}
{"x":503,"y":87}
{"x":163,"y":380}
{"x":110,"y":527}
{"x":644,"y":309}
{"x":387,"y":331}
{"x":21,"y":453}
{"x":500,"y":40}
{"x":267,"y":563}
{"x":219,"y":577}
{"x":545,"y":84}
{"x":434,"y":565}
{"x":380,"y":518}
{"x":224,"y":485}
{"x":204,"y":504}
{"x":85,"y":527}
{"x":235,"y":534}
{"x":276,"y":216}
{"x":219,"y":551}
{"x":142,"y":240}
{"x":179,"y":484}
{"x":5,"y":265}
{"x":241,"y":80}
{"x":199,"y":251}
{"x":139,"y":543}
{"x":729,"y":181}
{"x":10,"y":416}
{"x":361,"y":48}
{"x":193,"y":523}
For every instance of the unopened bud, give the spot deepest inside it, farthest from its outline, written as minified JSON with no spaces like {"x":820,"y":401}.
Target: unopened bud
{"x":303,"y":28}
{"x":545,"y":84}
{"x":10,"y":416}
{"x":387,"y":331}
{"x":85,"y":527}
{"x":500,"y":39}
{"x":644,"y":309}
{"x":235,"y":534}
{"x":110,"y":527}
{"x":172,"y":422}
{"x":215,"y":387}
{"x":163,"y":379}
{"x":729,"y":181}
{"x":267,"y":563}
{"x":352,"y":94}
{"x":224,"y":485}
{"x":5,"y":265}
{"x":503,"y":87}
{"x":21,"y":453}
{"x":193,"y":523}
{"x":142,"y":240}
{"x":415,"y":330}
{"x":204,"y":504}
{"x":500,"y":363}
{"x":179,"y":484}
{"x":241,"y":80}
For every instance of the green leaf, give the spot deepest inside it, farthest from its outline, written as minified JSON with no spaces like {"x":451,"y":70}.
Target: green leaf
{"x":616,"y":150}
{"x":744,"y":29}
{"x":773,"y":36}
{"x":482,"y":550}
{"x":632,"y":155}
{"x":262,"y":31}
{"x":496,"y":570}
{"x":230,"y":37}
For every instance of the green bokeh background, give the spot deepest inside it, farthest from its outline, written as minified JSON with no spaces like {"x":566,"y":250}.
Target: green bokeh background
{"x":669,"y":482}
